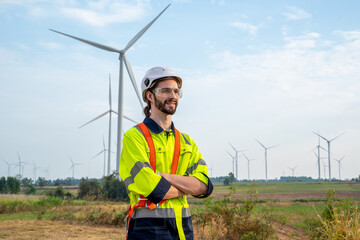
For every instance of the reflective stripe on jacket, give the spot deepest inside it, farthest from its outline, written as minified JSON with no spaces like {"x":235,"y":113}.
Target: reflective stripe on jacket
{"x":140,"y":178}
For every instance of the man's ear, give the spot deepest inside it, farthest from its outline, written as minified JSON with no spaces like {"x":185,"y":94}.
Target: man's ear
{"x":149,"y":96}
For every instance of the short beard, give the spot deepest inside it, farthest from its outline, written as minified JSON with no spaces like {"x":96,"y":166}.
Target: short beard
{"x":161,"y":106}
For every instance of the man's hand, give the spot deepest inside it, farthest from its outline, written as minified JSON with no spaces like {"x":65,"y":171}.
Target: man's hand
{"x":187,"y":185}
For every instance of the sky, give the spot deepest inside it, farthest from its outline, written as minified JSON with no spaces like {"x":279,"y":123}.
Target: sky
{"x":275,"y":71}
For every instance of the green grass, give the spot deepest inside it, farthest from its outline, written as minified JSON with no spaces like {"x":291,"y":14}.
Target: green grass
{"x":290,"y":187}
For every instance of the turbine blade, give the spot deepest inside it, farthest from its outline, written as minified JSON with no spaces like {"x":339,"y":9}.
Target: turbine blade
{"x":100,"y":116}
{"x":103,"y":142}
{"x":98,"y":154}
{"x":137,"y":36}
{"x":233,"y":147}
{"x":273,"y":146}
{"x":127,"y":118}
{"x":230,"y":154}
{"x":132,"y":78}
{"x":94,"y":44}
{"x":337,"y":137}
{"x":321,"y":136}
{"x":71,"y":159}
{"x":260,"y":143}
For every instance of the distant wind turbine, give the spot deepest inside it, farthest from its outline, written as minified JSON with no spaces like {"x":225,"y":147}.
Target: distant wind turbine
{"x":328,"y":142}
{"x":110,"y":111}
{"x":233,"y":162}
{"x":104,"y":150}
{"x":34,"y":170}
{"x":21,"y":166}
{"x":73,"y":164}
{"x":211,"y":169}
{"x":324,"y":169}
{"x":9,"y":164}
{"x":266,"y":148}
{"x":318,"y":161}
{"x":248,"y":160}
{"x":339,"y":162}
{"x":293,"y":170}
{"x":123,"y":60}
{"x":236,"y":159}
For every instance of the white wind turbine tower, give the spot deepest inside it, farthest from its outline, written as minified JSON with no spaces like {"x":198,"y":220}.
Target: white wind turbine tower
{"x":236,"y":159}
{"x":339,"y":162}
{"x":328,"y":142}
{"x":110,"y":111}
{"x":293,"y":170}
{"x":123,"y":61}
{"x":266,"y":148}
{"x":233,"y":162}
{"x":73,"y":164}
{"x":248,"y":160}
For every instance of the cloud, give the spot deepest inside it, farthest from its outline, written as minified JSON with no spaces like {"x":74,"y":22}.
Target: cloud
{"x":294,"y":13}
{"x":105,"y":12}
{"x":295,"y":79}
{"x":306,"y":41}
{"x":252,"y":29}
{"x":50,"y":45}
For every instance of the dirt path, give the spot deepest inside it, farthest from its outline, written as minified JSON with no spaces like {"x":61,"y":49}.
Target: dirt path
{"x":56,"y":230}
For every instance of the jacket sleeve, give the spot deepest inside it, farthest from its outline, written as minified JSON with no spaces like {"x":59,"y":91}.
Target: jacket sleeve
{"x":198,"y":168}
{"x":135,"y":169}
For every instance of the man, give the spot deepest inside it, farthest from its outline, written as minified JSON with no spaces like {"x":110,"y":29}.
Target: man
{"x":160,"y":165}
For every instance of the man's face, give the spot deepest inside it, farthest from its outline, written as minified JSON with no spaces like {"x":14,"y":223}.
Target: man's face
{"x":166,"y":104}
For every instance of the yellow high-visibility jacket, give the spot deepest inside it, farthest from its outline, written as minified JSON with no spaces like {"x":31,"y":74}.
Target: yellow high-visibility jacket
{"x":172,"y":219}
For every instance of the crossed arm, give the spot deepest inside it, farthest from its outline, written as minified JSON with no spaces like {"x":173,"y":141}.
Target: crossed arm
{"x":183,"y":185}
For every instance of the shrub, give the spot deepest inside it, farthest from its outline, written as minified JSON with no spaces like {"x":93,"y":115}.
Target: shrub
{"x":227,"y":219}
{"x":89,"y":189}
{"x":114,"y":189}
{"x":30,"y":190}
{"x":339,"y":220}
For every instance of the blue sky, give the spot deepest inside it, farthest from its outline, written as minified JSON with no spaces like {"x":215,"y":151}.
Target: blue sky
{"x":271,"y":70}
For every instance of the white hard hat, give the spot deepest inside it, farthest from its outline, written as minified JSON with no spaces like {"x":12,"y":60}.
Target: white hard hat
{"x":154,"y":74}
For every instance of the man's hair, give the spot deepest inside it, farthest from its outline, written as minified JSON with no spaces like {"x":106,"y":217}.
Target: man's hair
{"x":147,"y":108}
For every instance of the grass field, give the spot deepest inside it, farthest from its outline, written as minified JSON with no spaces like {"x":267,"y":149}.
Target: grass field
{"x":31,"y":217}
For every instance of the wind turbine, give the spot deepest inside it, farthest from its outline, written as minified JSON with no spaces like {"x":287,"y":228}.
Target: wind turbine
{"x":73,"y":164}
{"x":21,"y":166}
{"x":266,"y":148}
{"x":248,"y":165}
{"x":110,"y":111}
{"x":34,"y":171}
{"x":318,"y":162}
{"x":324,"y":169}
{"x":339,"y":162}
{"x":103,"y":151}
{"x":233,"y":162}
{"x":123,"y":61}
{"x":211,"y":169}
{"x":236,"y":158}
{"x":328,"y":142}
{"x":293,"y":170}
{"x":9,"y":164}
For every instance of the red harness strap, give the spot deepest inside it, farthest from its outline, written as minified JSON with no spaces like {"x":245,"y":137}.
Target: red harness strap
{"x":147,"y":203}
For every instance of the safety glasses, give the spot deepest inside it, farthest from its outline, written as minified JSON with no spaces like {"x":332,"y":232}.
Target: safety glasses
{"x":168,"y":92}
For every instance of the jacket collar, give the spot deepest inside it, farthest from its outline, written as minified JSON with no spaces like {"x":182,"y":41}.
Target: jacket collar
{"x":154,"y":127}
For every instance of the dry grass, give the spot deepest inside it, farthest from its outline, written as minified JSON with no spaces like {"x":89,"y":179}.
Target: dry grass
{"x":42,"y":229}
{"x":19,"y":196}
